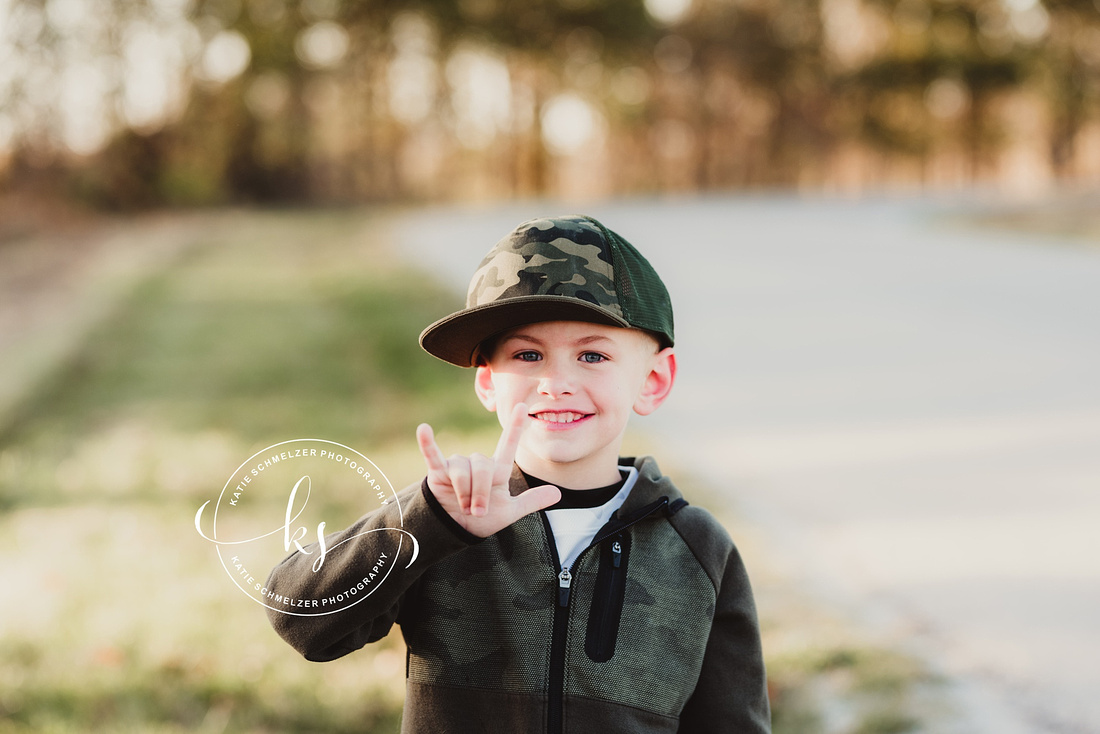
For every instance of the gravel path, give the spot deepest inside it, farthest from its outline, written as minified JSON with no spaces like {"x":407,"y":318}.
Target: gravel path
{"x":909,"y":411}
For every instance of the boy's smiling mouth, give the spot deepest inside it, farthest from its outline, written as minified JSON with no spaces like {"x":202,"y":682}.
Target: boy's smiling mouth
{"x":559,"y":416}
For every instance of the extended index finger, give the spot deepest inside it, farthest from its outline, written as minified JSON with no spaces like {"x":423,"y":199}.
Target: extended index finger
{"x":509,"y":437}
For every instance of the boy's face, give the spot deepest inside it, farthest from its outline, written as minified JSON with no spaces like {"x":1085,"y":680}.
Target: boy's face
{"x":580,"y":382}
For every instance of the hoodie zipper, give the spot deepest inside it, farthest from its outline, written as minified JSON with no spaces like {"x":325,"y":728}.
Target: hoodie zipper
{"x":559,"y":636}
{"x":565,"y":580}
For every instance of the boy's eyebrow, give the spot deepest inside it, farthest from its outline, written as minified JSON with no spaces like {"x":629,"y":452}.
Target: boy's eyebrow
{"x":520,"y":337}
{"x":534,"y":340}
{"x":593,"y":338}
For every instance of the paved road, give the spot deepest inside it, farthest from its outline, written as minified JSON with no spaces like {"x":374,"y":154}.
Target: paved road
{"x":911,"y":410}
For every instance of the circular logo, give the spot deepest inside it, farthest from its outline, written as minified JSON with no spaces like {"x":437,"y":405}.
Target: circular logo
{"x":289,"y":498}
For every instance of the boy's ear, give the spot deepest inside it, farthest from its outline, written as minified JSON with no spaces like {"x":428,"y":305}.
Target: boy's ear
{"x":483,"y":386}
{"x":658,"y":383}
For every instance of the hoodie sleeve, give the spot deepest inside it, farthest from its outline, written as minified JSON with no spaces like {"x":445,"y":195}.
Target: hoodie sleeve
{"x":322,"y":637}
{"x":731,"y":693}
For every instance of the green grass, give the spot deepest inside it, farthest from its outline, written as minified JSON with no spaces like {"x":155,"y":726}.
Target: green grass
{"x":277,"y":326}
{"x":116,"y":616}
{"x":184,"y":698}
{"x":850,"y":686}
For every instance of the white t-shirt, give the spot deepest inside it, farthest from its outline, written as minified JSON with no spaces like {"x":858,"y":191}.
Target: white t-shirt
{"x":574,"y":528}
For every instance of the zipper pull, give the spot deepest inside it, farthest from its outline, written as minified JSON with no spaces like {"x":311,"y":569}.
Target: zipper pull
{"x":564,"y":580}
{"x":616,"y":554}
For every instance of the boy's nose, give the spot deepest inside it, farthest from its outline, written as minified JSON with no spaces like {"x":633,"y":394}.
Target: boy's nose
{"x":554,"y":384}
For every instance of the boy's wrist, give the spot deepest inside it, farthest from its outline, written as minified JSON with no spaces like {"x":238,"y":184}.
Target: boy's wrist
{"x":445,"y":517}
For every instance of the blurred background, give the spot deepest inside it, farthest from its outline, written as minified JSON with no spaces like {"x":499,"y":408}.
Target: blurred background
{"x":223,"y":224}
{"x":150,"y":102}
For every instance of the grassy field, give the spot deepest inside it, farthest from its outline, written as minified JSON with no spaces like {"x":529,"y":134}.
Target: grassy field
{"x":114,"y":614}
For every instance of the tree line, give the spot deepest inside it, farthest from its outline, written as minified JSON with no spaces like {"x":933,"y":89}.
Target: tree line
{"x":214,"y":101}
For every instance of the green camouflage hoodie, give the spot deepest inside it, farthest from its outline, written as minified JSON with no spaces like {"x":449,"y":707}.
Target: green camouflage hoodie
{"x":654,"y":629}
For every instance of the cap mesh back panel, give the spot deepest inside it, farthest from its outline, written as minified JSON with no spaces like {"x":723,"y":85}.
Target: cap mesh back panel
{"x":642,"y":296}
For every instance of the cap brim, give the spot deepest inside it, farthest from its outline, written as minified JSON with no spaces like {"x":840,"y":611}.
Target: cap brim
{"x":455,"y":338}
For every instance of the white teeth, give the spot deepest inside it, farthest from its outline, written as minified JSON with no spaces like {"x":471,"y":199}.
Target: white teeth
{"x":559,"y":417}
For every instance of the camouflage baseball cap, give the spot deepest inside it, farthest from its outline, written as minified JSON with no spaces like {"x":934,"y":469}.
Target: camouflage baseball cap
{"x":568,"y":268}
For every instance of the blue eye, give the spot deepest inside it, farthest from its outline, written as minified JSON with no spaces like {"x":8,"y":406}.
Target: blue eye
{"x":593,"y":358}
{"x":528,"y":356}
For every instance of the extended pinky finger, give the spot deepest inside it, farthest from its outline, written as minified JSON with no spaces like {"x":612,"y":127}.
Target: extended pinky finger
{"x":429,"y":449}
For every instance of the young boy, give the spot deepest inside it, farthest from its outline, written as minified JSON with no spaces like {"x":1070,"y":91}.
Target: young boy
{"x":558,"y":588}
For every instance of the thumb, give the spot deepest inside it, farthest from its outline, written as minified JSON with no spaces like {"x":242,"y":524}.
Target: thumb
{"x":536,"y":498}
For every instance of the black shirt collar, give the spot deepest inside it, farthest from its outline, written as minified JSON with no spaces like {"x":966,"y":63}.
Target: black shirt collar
{"x":572,"y":499}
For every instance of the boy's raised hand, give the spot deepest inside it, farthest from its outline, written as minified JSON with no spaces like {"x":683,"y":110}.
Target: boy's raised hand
{"x":474,"y":489}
